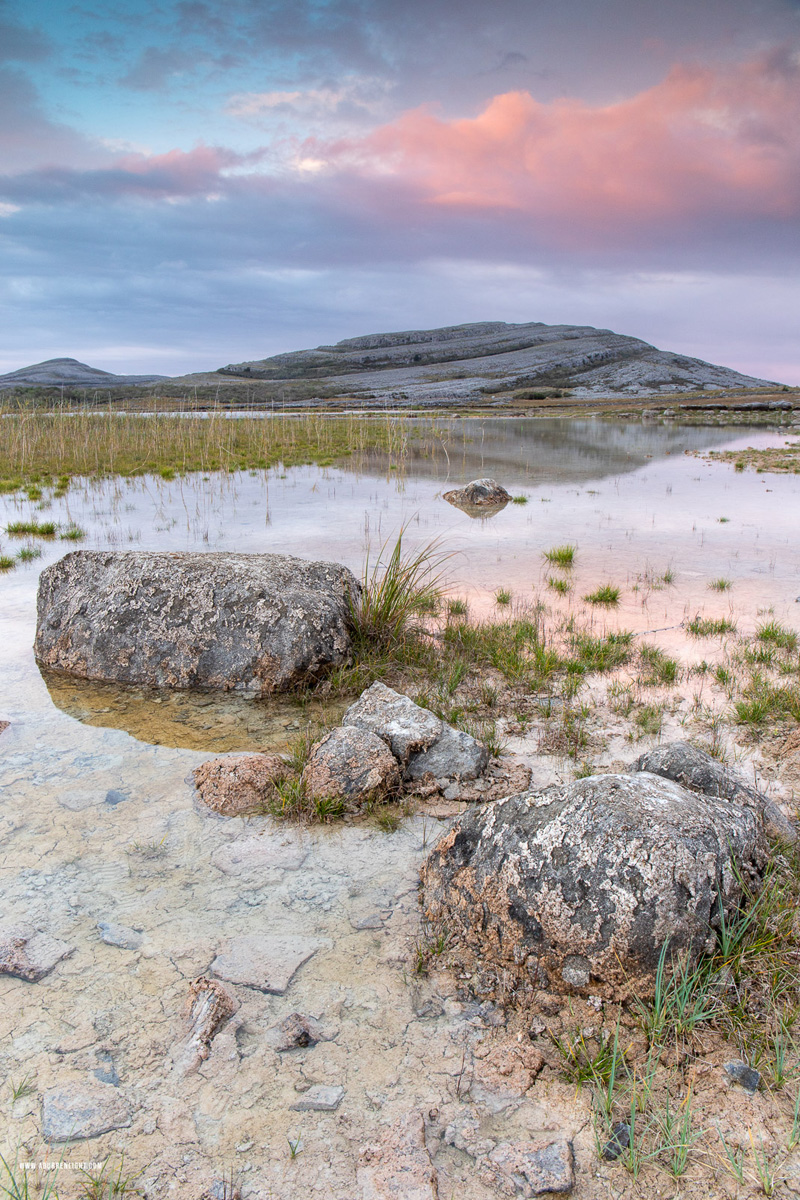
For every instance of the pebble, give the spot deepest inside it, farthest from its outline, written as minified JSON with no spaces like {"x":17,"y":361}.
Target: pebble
{"x":743,"y":1074}
{"x":320,"y":1098}
{"x":114,"y":796}
{"x":618,"y":1143}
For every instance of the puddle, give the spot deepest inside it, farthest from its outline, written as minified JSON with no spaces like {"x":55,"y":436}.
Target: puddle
{"x":99,"y":825}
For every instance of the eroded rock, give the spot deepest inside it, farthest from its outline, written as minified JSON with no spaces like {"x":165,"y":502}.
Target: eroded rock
{"x":263,"y":961}
{"x":121,"y":936}
{"x":83,"y":1110}
{"x":353,"y":764}
{"x":30,"y":955}
{"x":419,"y":740}
{"x":585,"y":883}
{"x":696,"y":769}
{"x":234,"y":784}
{"x":257,"y":623}
{"x":210,"y":1006}
{"x":399,"y":1165}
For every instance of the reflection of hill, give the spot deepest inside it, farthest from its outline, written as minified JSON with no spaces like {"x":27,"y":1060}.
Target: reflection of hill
{"x":550,"y":450}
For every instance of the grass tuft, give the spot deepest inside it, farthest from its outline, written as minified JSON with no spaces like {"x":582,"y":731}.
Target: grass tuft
{"x":607,"y":596}
{"x":561,"y":556}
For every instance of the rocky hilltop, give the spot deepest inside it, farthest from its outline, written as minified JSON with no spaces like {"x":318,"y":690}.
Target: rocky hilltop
{"x":468,"y":362}
{"x":68,"y":372}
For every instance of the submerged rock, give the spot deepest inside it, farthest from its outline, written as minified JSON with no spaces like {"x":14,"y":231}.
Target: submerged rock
{"x":234,"y":784}
{"x":119,"y":935}
{"x":419,"y":740}
{"x":80,"y":1111}
{"x":696,"y":769}
{"x":257,"y":623}
{"x":263,"y":961}
{"x":481,"y":497}
{"x":352,"y":764}
{"x":30,"y":955}
{"x":4,"y":726}
{"x":587,"y":882}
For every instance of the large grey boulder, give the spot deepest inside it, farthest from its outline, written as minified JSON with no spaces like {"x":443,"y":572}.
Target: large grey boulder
{"x":256,"y":623}
{"x":419,"y":740}
{"x":698,"y":770}
{"x":582,"y":885}
{"x":351,"y":764}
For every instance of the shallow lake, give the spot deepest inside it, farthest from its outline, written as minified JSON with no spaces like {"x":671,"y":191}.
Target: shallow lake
{"x":99,"y":824}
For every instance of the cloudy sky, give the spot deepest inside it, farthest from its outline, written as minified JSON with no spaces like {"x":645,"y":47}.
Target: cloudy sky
{"x":187,"y":183}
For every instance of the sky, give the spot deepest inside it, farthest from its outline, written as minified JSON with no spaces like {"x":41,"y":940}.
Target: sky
{"x":186,"y":183}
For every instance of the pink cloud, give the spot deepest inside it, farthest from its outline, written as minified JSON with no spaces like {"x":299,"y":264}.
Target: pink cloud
{"x":705,"y":142}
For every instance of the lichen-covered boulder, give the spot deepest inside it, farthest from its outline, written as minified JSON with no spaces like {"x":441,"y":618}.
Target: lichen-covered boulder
{"x":257,"y":623}
{"x":698,"y":770}
{"x":580,"y":886}
{"x":421,"y":742}
{"x":353,"y":765}
{"x":233,"y":784}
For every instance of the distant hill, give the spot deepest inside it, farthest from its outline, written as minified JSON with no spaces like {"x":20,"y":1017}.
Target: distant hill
{"x":463,"y":362}
{"x":68,"y":372}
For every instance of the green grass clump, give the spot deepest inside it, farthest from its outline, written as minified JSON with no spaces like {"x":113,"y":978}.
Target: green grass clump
{"x":561,"y":556}
{"x":775,"y":634}
{"x":519,"y":499}
{"x":7,"y":563}
{"x":710,"y":626}
{"x":649,"y":718}
{"x":607,"y":596}
{"x":395,"y":593}
{"x":73,"y":533}
{"x":763,"y":700}
{"x":657,"y":668}
{"x":562,"y":586}
{"x":720,"y":585}
{"x":502,"y":597}
{"x":457,"y":608}
{"x":28,"y":553}
{"x":602,"y":653}
{"x":47,"y":529}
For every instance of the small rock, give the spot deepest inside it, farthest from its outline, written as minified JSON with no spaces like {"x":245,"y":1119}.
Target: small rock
{"x":535,"y":1167}
{"x":107,"y":1071}
{"x":295,"y":1032}
{"x":4,"y":726}
{"x":29,"y":955}
{"x":403,"y":725}
{"x":745,"y":1075}
{"x":210,"y":1006}
{"x":233,"y":784}
{"x":320,"y":1098}
{"x":454,"y":754}
{"x":263,"y":961}
{"x":119,"y":935}
{"x":81,"y":1111}
{"x":618,"y":1143}
{"x":370,"y":921}
{"x":353,"y":764}
{"x":419,"y":740}
{"x":114,"y":796}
